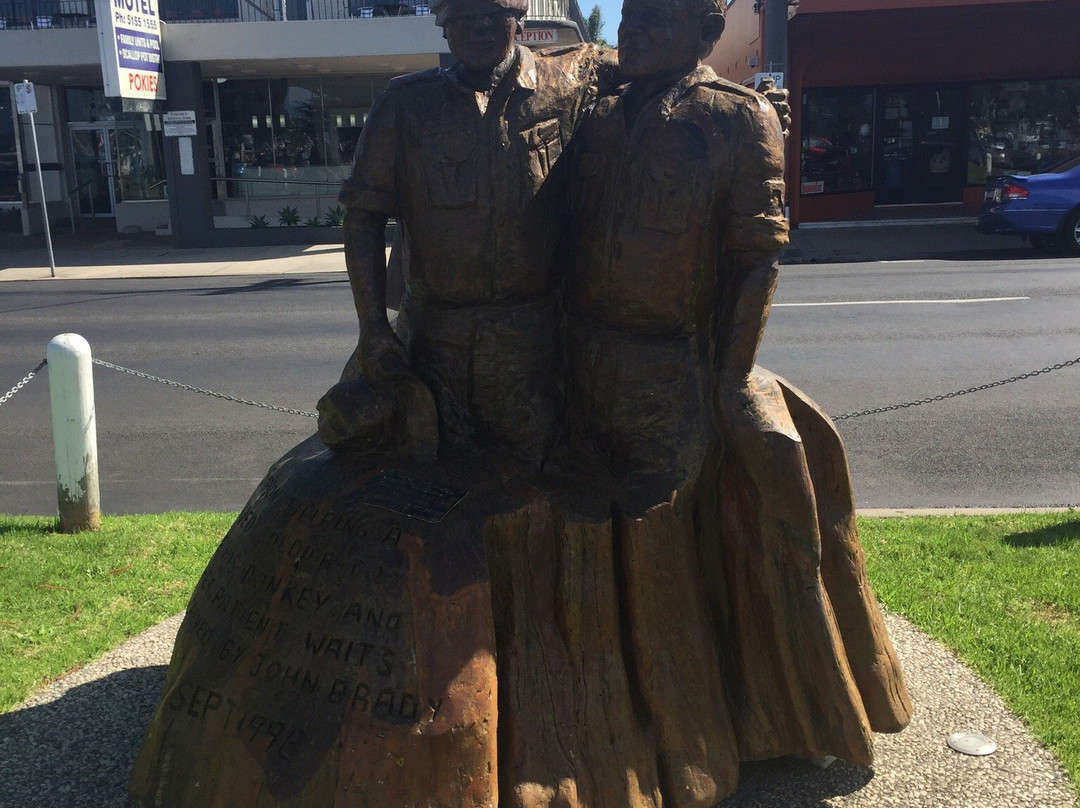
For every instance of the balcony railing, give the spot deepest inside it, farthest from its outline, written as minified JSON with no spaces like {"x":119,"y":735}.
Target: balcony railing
{"x":25,"y":14}
{"x":47,"y":14}
{"x":28,"y":14}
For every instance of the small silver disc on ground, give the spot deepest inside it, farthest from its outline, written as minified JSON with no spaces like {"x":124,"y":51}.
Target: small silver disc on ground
{"x":971,"y":743}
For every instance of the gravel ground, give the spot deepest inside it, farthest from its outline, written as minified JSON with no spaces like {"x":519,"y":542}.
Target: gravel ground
{"x":73,"y":743}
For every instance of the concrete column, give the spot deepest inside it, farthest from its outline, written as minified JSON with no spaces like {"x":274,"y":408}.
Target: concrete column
{"x":71,"y":390}
{"x":186,"y":166}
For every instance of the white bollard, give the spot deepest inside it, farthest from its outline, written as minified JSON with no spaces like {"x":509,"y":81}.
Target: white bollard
{"x":71,"y":389}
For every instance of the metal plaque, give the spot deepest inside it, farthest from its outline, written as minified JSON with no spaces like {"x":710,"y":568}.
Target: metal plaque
{"x":971,"y":743}
{"x":411,"y":496}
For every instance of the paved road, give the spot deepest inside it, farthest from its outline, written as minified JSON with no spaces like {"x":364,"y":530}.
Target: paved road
{"x":283,"y":340}
{"x":1018,"y":445}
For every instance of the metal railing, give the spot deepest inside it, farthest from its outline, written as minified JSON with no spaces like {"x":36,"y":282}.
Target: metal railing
{"x":40,"y":14}
{"x":291,"y":191}
{"x":47,"y":14}
{"x":73,"y":192}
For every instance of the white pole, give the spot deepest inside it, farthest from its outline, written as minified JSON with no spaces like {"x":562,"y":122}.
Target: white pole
{"x":44,"y":205}
{"x":71,"y":389}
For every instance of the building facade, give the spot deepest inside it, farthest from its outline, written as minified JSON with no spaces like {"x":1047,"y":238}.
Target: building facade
{"x":280,"y":90}
{"x":915,"y":102}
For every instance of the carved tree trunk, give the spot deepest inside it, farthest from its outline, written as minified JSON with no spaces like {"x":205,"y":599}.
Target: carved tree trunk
{"x":449,"y":635}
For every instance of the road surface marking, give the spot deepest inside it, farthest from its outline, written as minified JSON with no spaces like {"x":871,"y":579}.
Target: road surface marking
{"x":900,"y":302}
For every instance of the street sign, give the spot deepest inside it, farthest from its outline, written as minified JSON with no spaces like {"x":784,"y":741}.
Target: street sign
{"x":179,"y":124}
{"x":26,"y":104}
{"x":778,"y":79}
{"x":25,"y":100}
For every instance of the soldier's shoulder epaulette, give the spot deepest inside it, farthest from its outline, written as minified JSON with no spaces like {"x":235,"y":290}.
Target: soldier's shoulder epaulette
{"x":410,"y":79}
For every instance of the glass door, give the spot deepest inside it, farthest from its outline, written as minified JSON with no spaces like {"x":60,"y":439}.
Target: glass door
{"x":921,"y":154}
{"x":93,"y":150}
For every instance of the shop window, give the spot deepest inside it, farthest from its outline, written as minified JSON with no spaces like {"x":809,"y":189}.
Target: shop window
{"x":9,"y":163}
{"x":292,"y":137}
{"x":837,"y":140}
{"x":1022,"y":127}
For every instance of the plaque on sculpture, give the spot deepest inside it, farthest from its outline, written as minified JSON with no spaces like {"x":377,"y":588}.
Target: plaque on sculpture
{"x":559,"y":541}
{"x":410,"y":496}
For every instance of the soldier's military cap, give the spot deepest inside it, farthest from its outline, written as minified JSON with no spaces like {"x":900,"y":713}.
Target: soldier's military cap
{"x":445,"y":10}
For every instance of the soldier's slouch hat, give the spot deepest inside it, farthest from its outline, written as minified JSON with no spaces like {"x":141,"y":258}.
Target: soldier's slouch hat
{"x":445,"y":10}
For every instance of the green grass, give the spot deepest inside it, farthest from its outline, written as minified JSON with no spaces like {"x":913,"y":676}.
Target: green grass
{"x":66,"y":599}
{"x":1004,"y":593}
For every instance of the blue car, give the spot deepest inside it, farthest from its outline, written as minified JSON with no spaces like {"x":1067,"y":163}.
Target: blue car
{"x":1044,"y":208}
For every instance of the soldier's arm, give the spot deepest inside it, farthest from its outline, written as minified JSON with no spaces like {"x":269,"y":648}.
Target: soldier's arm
{"x":380,"y":352}
{"x":754,"y":231}
{"x":379,"y":405}
{"x":371,"y":197}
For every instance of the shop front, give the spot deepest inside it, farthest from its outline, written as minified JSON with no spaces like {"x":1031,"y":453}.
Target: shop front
{"x":10,"y":193}
{"x":918,"y":106}
{"x":865,"y":148}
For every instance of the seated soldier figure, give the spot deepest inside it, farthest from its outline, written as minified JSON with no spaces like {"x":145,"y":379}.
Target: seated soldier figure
{"x":461,"y":158}
{"x":339,"y":648}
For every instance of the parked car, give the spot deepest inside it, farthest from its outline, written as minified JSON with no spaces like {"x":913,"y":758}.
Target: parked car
{"x":1043,"y":208}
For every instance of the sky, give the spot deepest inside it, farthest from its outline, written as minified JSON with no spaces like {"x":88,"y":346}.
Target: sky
{"x":610,"y":10}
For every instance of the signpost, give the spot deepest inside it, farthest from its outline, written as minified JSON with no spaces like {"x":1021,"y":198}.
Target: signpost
{"x":776,"y":76}
{"x":26,"y":104}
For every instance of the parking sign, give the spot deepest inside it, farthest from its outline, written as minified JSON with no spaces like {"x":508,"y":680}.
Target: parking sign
{"x":25,"y":100}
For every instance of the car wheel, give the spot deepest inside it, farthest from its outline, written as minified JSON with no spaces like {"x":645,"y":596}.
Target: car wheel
{"x":1072,"y":232}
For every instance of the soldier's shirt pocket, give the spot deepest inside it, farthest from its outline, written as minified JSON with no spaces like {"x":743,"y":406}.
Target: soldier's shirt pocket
{"x":668,"y":192}
{"x":544,"y":142}
{"x":450,"y":168}
{"x":588,"y":181}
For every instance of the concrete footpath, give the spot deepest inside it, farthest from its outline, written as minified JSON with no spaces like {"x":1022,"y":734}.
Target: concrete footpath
{"x":73,"y":743}
{"x":98,"y":254}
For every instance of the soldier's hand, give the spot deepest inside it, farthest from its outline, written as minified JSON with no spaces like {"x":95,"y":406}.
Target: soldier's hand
{"x":781,"y":101}
{"x":380,"y":356}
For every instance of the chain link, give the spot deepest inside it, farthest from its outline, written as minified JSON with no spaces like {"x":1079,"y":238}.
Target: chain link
{"x":846,"y":416}
{"x":22,"y":384}
{"x":211,"y":393}
{"x":957,"y":393}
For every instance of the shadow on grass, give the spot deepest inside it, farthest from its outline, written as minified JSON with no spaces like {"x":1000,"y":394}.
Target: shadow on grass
{"x":1053,"y":536}
{"x":45,"y":526}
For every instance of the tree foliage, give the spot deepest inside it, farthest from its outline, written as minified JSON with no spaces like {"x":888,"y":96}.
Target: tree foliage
{"x":595,"y":26}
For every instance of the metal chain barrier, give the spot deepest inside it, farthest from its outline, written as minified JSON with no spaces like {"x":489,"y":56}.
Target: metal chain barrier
{"x":211,"y":393}
{"x":945,"y":396}
{"x":23,"y":383}
{"x":846,"y":416}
